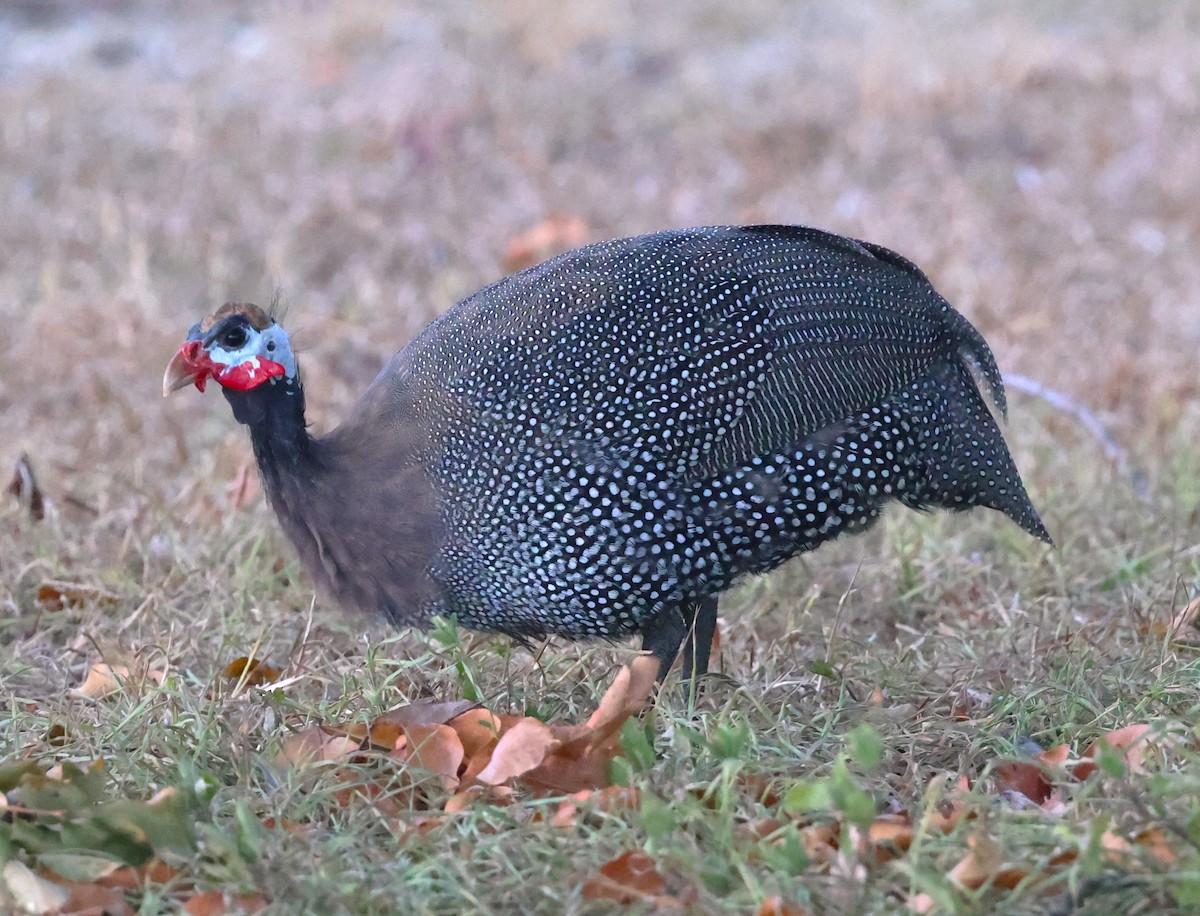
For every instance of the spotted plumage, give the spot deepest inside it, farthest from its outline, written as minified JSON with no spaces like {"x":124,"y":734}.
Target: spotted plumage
{"x":597,"y":446}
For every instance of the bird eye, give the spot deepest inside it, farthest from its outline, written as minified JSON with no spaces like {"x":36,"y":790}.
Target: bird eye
{"x":234,"y":338}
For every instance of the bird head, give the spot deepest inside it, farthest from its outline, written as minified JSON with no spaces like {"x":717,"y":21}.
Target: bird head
{"x":239,"y":345}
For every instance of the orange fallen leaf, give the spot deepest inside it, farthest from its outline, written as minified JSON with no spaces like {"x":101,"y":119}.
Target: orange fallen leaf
{"x":1156,"y":840}
{"x":518,"y":751}
{"x":1026,"y":777}
{"x":478,"y":730}
{"x":94,"y":899}
{"x":625,"y":697}
{"x":219,"y":903}
{"x":820,"y":843}
{"x":1182,"y":628}
{"x":1131,"y":740}
{"x":251,"y":671}
{"x":629,"y":878}
{"x":921,"y":903}
{"x":888,"y":837}
{"x":950,"y":806}
{"x":128,"y":878}
{"x":435,"y":749}
{"x":59,"y":595}
{"x":777,"y":906}
{"x":985,"y":863}
{"x":556,"y":233}
{"x":426,"y":712}
{"x":103,"y":680}
{"x":314,"y":745}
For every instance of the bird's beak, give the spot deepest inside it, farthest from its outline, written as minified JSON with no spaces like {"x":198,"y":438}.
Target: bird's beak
{"x":182,"y":369}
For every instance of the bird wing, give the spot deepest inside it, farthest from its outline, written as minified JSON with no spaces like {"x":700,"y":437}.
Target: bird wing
{"x":700,"y":347}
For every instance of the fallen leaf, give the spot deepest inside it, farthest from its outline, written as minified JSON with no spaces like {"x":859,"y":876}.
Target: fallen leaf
{"x":58,"y":595}
{"x":478,"y":730}
{"x":556,"y":233}
{"x":1157,"y":842}
{"x":24,"y":487}
{"x":921,"y":903}
{"x":1025,"y":777}
{"x":820,"y":843}
{"x":1131,"y":740}
{"x":888,"y":837}
{"x":95,"y":900}
{"x":251,"y":671}
{"x":103,"y":680}
{"x":435,"y":749}
{"x":1182,"y":628}
{"x":518,"y":751}
{"x":314,"y":745}
{"x":777,"y":906}
{"x":949,"y":807}
{"x":625,"y":697}
{"x":425,"y":712}
{"x":31,"y":892}
{"x":983,"y":864}
{"x":245,"y":487}
{"x":219,"y":903}
{"x":629,"y":878}
{"x":153,"y":872}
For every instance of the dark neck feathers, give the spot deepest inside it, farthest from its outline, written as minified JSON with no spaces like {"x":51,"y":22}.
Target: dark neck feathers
{"x":357,"y":504}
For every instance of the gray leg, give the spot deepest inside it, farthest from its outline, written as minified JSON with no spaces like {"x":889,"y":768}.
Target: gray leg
{"x":696,"y":621}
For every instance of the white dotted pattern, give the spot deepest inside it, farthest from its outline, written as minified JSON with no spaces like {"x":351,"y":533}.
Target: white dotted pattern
{"x":638,"y":423}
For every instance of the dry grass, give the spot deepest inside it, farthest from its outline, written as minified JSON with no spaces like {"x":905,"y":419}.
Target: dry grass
{"x":372,"y":162}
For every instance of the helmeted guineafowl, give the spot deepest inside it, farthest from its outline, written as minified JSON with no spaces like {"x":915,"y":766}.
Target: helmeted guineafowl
{"x":599,"y":445}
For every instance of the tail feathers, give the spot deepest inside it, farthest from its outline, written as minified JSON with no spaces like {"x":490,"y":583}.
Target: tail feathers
{"x":967,"y":460}
{"x":978,"y":355}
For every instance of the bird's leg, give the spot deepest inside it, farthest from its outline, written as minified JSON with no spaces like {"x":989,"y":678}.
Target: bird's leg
{"x":698,"y":647}
{"x":662,"y":636}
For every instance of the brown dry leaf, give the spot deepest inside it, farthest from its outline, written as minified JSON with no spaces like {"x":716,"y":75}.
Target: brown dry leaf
{"x":568,"y":809}
{"x":103,"y":680}
{"x":558,"y":232}
{"x":1155,"y":839}
{"x":58,"y":595}
{"x":314,"y":745}
{"x":950,"y":807}
{"x":219,"y":903}
{"x":24,"y":487}
{"x":1182,"y":628}
{"x":478,"y":730}
{"x":1117,"y":847}
{"x":425,"y":712}
{"x":777,"y":906}
{"x":435,"y":749}
{"x":251,"y":671}
{"x":888,"y":837}
{"x":465,"y":798}
{"x":921,"y":903}
{"x":245,"y":488}
{"x":625,"y":697}
{"x":1025,"y":777}
{"x":519,"y":750}
{"x":94,"y":899}
{"x":1132,"y":740}
{"x":153,"y":872}
{"x":820,"y":843}
{"x":984,"y":864}
{"x":31,"y":892}
{"x":629,"y":878}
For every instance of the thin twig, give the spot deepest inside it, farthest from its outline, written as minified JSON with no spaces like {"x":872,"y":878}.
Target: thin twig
{"x":1092,"y":423}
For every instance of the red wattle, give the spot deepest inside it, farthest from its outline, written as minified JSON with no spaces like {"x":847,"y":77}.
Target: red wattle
{"x":248,"y":374}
